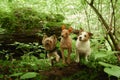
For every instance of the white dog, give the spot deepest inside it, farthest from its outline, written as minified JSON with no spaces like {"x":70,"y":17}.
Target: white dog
{"x":83,"y":45}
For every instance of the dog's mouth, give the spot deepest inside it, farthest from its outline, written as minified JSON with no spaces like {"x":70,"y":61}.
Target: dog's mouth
{"x":47,"y":46}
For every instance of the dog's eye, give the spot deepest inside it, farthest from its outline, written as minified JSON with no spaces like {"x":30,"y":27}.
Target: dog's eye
{"x":50,"y":41}
{"x":85,"y":36}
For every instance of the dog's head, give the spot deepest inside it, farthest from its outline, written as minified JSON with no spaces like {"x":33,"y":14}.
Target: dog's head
{"x":84,"y":36}
{"x":65,"y":32}
{"x":49,"y":42}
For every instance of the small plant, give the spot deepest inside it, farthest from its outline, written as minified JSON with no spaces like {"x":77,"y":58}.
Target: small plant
{"x":111,"y":70}
{"x":31,"y":49}
{"x":28,"y":75}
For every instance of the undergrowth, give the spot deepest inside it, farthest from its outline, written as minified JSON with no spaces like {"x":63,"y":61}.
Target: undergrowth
{"x":29,"y":64}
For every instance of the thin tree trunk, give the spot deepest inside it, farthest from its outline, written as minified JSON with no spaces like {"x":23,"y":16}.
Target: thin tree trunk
{"x":87,"y":16}
{"x":105,"y":25}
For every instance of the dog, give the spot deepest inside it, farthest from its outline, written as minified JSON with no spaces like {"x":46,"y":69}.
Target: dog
{"x":66,"y":43}
{"x":83,"y":45}
{"x":49,"y":44}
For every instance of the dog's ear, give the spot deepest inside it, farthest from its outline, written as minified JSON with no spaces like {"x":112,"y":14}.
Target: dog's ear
{"x":44,"y":37}
{"x":90,"y":34}
{"x":54,"y":38}
{"x":81,"y":29}
{"x":70,"y":29}
{"x":63,"y":27}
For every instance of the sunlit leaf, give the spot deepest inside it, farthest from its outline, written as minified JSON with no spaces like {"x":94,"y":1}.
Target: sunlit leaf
{"x":108,"y":65}
{"x":28,"y":75}
{"x":113,"y":71}
{"x":105,"y":64}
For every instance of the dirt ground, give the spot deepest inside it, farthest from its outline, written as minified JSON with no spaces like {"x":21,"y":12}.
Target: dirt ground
{"x":63,"y":71}
{"x":56,"y":73}
{"x":67,"y":72}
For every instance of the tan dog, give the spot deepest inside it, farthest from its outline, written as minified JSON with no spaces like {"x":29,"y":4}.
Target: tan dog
{"x":49,"y":44}
{"x":83,"y":44}
{"x":66,"y":43}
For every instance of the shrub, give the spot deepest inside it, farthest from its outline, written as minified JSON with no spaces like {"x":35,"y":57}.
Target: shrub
{"x":21,"y":19}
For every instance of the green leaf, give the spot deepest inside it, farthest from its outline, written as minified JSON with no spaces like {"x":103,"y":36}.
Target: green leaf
{"x":16,"y":74}
{"x":83,"y":2}
{"x":28,"y":75}
{"x":113,"y":71}
{"x":108,"y":65}
{"x":105,"y":64}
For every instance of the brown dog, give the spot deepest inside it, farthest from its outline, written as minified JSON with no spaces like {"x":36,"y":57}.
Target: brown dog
{"x":49,"y":44}
{"x":66,"y":43}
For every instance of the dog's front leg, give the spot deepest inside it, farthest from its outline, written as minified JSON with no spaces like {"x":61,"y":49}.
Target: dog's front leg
{"x":48,"y":56}
{"x":57,"y":57}
{"x":68,"y":57}
{"x":86,"y":56}
{"x":63,"y":57}
{"x":77,"y":56}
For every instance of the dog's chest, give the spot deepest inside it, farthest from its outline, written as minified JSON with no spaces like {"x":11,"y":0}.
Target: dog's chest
{"x":83,"y":46}
{"x":65,"y":43}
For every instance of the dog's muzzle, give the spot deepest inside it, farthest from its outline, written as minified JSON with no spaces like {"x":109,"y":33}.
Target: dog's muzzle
{"x":47,"y":44}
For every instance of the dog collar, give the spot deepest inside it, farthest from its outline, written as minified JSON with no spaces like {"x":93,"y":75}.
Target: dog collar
{"x":51,"y":51}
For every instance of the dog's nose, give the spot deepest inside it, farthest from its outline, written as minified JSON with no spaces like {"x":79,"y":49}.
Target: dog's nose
{"x":80,"y":38}
{"x":47,"y":43}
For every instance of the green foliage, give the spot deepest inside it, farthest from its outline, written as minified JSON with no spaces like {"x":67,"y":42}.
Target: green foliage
{"x":103,"y":54}
{"x":21,"y":19}
{"x":16,"y":74}
{"x":111,"y":70}
{"x":22,"y":68}
{"x":27,"y":75}
{"x":34,"y":63}
{"x":31,"y":48}
{"x":20,"y":15}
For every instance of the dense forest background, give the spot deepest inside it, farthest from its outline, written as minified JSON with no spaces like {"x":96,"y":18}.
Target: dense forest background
{"x":24,"y":22}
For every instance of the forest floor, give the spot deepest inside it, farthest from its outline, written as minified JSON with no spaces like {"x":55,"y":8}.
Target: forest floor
{"x":73,"y":71}
{"x":63,"y":71}
{"x":55,"y":73}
